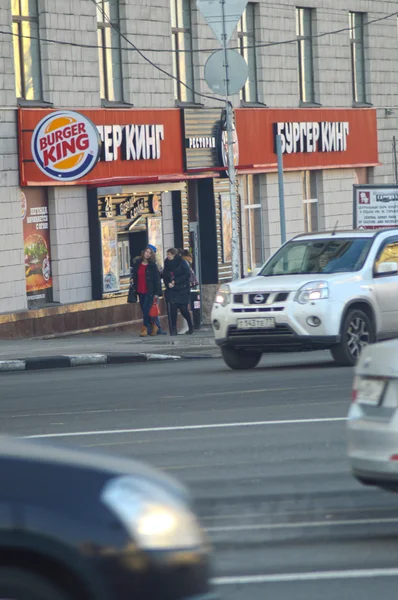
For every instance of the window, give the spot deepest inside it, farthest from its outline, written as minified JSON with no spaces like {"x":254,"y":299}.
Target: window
{"x":247,"y":41}
{"x":389,"y":253}
{"x":109,"y":50}
{"x":305,"y":59}
{"x":253,"y":226}
{"x":310,"y":201}
{"x":25,"y":28}
{"x":356,"y":22}
{"x":318,"y":256}
{"x":124,"y":257}
{"x":182,"y":49}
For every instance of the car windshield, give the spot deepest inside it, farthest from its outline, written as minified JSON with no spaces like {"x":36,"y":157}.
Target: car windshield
{"x":326,"y":255}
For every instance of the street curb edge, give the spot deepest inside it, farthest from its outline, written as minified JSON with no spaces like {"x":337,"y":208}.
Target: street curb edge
{"x":79,"y":360}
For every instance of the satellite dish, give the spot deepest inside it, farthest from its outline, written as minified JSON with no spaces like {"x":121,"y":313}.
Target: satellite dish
{"x":238,"y":72}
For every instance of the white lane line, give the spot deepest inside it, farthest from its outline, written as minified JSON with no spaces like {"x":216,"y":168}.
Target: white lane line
{"x":298,"y":525}
{"x":263,"y":390}
{"x":311,"y":576}
{"x":185,"y":428}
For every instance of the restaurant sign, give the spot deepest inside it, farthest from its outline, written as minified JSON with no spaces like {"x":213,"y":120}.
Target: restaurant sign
{"x":98,"y":146}
{"x":326,"y":136}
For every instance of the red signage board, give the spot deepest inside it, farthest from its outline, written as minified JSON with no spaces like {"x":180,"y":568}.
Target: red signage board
{"x":312,"y":138}
{"x":61,"y":147}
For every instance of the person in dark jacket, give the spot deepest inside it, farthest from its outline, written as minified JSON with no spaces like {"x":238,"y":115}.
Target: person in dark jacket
{"x":145,"y":279}
{"x":176,"y":276}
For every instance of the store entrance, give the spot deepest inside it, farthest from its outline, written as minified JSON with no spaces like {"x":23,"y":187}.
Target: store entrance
{"x":138,"y":241}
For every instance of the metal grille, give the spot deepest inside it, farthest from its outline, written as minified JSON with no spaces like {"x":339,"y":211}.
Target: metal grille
{"x":281,"y":297}
{"x":258,"y":298}
{"x":279,"y":329}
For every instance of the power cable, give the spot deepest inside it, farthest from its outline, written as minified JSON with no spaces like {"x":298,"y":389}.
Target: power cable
{"x":187,"y":51}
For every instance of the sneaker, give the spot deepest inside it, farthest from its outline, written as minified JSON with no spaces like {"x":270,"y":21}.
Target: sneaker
{"x":154,"y":330}
{"x":144,"y":331}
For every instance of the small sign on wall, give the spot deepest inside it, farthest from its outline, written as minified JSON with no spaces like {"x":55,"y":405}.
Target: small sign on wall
{"x":375,"y":206}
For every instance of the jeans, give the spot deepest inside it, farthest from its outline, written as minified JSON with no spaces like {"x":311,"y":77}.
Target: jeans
{"x":146,"y":301}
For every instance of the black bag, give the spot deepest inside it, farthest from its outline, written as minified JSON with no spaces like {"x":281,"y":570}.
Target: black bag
{"x":132,"y":297}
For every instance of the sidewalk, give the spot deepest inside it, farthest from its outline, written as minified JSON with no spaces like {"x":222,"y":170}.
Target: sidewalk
{"x":103,"y":348}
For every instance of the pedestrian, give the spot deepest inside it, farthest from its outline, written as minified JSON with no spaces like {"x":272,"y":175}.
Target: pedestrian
{"x":160,"y":331}
{"x":176,"y":276}
{"x":186,"y":255}
{"x":145,"y":280}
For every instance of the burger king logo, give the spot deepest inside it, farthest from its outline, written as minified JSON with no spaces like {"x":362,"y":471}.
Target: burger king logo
{"x":66,"y":145}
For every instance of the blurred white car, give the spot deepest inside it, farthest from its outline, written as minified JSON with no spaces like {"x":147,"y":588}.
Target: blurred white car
{"x":372,"y":426}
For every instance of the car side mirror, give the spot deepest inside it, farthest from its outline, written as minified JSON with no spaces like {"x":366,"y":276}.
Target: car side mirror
{"x":385,"y":268}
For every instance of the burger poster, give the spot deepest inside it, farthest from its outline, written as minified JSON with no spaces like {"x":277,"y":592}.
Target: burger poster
{"x":34,"y":212}
{"x":110,"y":260}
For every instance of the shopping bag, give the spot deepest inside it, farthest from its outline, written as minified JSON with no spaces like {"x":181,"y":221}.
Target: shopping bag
{"x":132,"y":296}
{"x":154,"y":310}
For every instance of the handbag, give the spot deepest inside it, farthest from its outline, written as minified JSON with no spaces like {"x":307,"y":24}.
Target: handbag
{"x":154,"y":310}
{"x":132,"y":296}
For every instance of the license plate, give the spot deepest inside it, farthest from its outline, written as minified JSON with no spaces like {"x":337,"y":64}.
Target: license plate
{"x":263,"y":323}
{"x":369,"y":391}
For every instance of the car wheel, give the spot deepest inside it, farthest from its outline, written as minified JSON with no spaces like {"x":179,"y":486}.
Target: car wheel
{"x":240,"y":359}
{"x":19,"y":584}
{"x":357,"y":332}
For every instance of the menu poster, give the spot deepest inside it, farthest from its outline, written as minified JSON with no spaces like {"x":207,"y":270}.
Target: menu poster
{"x":36,"y":233}
{"x":226,"y":221}
{"x":155,"y":237}
{"x":110,"y":263}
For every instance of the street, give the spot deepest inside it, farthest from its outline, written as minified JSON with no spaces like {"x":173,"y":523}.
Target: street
{"x":262,"y":452}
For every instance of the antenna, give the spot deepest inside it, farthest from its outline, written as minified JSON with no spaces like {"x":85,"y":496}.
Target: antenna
{"x":335,"y":228}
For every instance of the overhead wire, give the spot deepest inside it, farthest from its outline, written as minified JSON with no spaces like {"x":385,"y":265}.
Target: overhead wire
{"x":134,"y":48}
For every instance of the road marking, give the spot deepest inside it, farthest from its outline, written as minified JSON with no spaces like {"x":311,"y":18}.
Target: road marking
{"x":263,"y":390}
{"x":185,"y":428}
{"x":311,"y":576}
{"x":347,"y":522}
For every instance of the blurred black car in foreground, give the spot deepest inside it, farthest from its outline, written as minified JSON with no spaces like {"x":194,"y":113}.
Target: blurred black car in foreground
{"x":77,"y":526}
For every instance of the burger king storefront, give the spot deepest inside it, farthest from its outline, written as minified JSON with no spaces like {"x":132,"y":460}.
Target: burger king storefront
{"x":96,"y":188}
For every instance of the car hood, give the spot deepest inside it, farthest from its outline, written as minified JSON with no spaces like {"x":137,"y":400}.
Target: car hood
{"x":287,"y":283}
{"x":41,"y":453}
{"x":379,"y":360}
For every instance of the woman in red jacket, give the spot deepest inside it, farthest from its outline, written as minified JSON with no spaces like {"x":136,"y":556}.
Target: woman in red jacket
{"x":145,"y":279}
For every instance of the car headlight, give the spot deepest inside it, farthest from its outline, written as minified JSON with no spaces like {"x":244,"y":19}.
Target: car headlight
{"x":154,"y":518}
{"x":223,"y":296}
{"x":314,"y":290}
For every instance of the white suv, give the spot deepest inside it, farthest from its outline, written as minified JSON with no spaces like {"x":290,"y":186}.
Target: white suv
{"x":336,"y":291}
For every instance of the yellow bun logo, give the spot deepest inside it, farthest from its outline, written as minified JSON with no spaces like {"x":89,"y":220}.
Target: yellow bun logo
{"x":66,"y":145}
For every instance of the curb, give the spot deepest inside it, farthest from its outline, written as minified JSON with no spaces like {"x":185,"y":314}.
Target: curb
{"x":79,"y":360}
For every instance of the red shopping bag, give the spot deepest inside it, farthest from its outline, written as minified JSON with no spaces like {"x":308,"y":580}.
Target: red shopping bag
{"x":154,"y":310}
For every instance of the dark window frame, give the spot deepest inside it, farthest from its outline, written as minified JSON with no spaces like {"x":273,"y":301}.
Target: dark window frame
{"x":19,"y":20}
{"x":301,"y":41}
{"x":356,"y":44}
{"x":102,"y":26}
{"x":247,"y":38}
{"x":180,"y":73}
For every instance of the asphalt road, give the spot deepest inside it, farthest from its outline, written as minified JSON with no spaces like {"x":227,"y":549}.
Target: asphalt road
{"x":262,"y":451}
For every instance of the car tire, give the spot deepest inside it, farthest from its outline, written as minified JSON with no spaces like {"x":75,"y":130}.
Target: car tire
{"x":357,"y":332}
{"x":240,"y":359}
{"x":20,"y":584}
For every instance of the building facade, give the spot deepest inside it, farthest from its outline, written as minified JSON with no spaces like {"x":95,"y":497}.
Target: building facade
{"x":127,"y":65}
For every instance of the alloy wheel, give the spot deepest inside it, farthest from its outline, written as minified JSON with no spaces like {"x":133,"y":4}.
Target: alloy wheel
{"x":358,"y":335}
